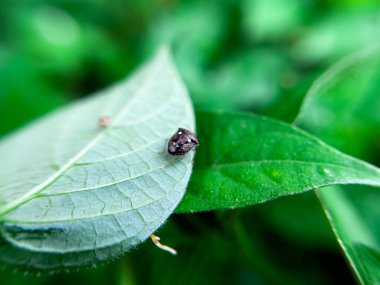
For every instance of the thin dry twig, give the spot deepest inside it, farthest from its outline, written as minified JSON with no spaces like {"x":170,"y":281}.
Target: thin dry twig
{"x":156,"y":241}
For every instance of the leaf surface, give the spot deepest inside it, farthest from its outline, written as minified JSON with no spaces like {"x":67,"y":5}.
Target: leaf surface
{"x":75,"y":193}
{"x":245,"y":160}
{"x":342,"y":108}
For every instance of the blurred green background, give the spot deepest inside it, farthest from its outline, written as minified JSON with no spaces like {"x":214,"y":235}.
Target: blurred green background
{"x":259,"y":56}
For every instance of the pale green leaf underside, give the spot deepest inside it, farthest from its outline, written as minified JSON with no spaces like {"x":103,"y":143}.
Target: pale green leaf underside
{"x":73,"y":193}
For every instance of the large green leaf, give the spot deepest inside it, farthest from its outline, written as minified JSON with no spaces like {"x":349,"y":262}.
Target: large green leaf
{"x":245,"y":159}
{"x":342,"y":108}
{"x":74,"y":193}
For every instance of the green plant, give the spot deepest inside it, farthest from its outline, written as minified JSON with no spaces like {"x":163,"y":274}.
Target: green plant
{"x":76,"y":193}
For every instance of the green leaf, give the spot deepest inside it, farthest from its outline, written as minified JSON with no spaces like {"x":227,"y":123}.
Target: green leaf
{"x":356,"y":232}
{"x":75,"y":193}
{"x":342,"y":108}
{"x":245,"y":159}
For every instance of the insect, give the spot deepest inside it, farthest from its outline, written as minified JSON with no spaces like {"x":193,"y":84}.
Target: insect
{"x":182,"y":142}
{"x":105,"y":121}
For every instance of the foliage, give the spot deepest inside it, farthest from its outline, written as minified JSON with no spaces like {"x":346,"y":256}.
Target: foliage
{"x":351,"y":122}
{"x":266,"y":131}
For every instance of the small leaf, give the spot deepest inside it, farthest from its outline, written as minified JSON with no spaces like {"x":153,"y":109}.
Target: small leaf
{"x":356,"y":232}
{"x":245,"y":160}
{"x":75,"y":193}
{"x":342,"y":108}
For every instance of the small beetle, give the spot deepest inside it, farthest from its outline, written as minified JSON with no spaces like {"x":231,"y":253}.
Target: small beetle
{"x":182,"y":142}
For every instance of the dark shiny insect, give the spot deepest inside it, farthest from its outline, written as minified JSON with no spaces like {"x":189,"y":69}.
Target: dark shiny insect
{"x":182,"y":142}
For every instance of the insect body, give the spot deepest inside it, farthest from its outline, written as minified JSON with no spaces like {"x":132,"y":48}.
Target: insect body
{"x":104,"y":121}
{"x":182,"y":142}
